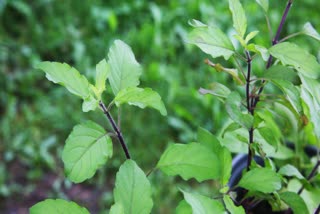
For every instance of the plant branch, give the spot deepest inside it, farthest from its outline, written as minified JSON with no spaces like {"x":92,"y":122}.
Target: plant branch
{"x":249,"y":107}
{"x":115,"y":128}
{"x":312,"y":173}
{"x":274,"y":42}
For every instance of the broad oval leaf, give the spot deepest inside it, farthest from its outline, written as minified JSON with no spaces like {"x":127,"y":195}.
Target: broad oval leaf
{"x":301,"y":60}
{"x":211,"y":40}
{"x":295,"y":202}
{"x":203,"y":205}
{"x":279,"y":72}
{"x":238,"y":17}
{"x":54,"y":206}
{"x":231,"y":207}
{"x":67,"y":76}
{"x":87,"y":148}
{"x":225,"y":159}
{"x":191,"y":160}
{"x":309,"y":30}
{"x":141,"y":97}
{"x":133,"y":189}
{"x":102,"y":73}
{"x":233,"y":104}
{"x":261,"y":179}
{"x":117,"y":209}
{"x":124,"y":69}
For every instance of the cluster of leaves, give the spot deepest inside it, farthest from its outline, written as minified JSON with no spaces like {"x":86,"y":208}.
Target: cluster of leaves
{"x":89,"y":146}
{"x":209,"y":158}
{"x":232,"y":138}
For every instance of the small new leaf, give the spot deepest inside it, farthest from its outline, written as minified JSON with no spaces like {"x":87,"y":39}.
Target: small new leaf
{"x":102,"y":73}
{"x":133,"y":189}
{"x":238,"y":17}
{"x":309,"y":30}
{"x":54,"y":206}
{"x":141,"y":97}
{"x":191,"y":160}
{"x":87,"y":148}
{"x":124,"y":69}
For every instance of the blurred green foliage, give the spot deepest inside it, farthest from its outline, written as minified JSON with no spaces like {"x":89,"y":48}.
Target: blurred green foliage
{"x":36,"y":116}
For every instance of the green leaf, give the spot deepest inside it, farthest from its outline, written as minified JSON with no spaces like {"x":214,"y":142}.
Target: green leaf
{"x":263,"y":52}
{"x":90,"y":104}
{"x":87,"y":148}
{"x":310,"y":95}
{"x":231,"y":207}
{"x":291,"y":93}
{"x":233,"y":104}
{"x":301,"y":60}
{"x":54,"y":206}
{"x":124,"y":69}
{"x":117,"y":209}
{"x":224,"y":156}
{"x":67,"y":76}
{"x":203,"y":205}
{"x":211,"y":40}
{"x":309,"y":30}
{"x":141,"y":97}
{"x":250,"y":36}
{"x":238,"y":17}
{"x":261,"y":179}
{"x":295,"y":202}
{"x":216,"y":89}
{"x":191,"y":160}
{"x":102,"y":73}
{"x":269,"y":136}
{"x":183,"y":208}
{"x":264,"y":4}
{"x":133,"y":189}
{"x":196,"y":23}
{"x":289,"y":170}
{"x":230,"y":128}
{"x":279,"y":72}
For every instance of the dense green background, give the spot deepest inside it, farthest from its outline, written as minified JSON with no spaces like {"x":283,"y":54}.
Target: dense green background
{"x":37,"y":116}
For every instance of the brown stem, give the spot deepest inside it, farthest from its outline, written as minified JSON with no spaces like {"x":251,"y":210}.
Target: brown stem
{"x":116,"y":129}
{"x":274,"y":42}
